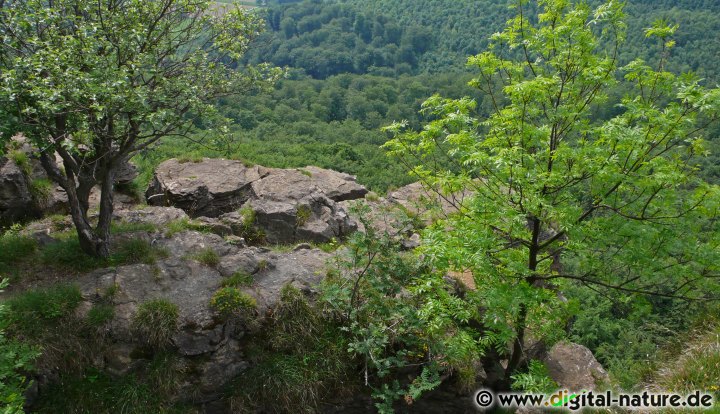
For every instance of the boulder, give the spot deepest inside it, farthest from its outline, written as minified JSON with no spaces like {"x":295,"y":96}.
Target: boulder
{"x":15,"y":196}
{"x":574,"y":367}
{"x":303,"y":269}
{"x":207,"y":188}
{"x":289,"y":207}
{"x":419,"y":199}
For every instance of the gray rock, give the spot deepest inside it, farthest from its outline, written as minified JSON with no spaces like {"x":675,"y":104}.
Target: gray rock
{"x":303,"y":269}
{"x":15,"y":197}
{"x":336,"y":185}
{"x":289,"y":207}
{"x":574,"y":367}
{"x":208,"y":188}
{"x":207,"y":343}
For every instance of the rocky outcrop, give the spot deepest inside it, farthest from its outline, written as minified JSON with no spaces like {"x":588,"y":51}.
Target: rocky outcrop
{"x":210,"y":345}
{"x":574,"y":367}
{"x":283,"y":206}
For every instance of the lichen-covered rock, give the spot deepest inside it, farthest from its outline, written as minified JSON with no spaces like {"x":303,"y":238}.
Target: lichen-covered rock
{"x":157,"y":216}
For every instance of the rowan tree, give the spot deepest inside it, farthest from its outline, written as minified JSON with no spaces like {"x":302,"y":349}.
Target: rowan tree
{"x":561,"y":195}
{"x":91,"y":83}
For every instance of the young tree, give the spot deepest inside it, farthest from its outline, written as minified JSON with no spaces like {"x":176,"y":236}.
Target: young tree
{"x":561,"y":196}
{"x":91,"y":83}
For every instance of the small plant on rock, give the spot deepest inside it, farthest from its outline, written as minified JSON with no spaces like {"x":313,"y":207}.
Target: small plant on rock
{"x":303,"y":215}
{"x":230,"y":301}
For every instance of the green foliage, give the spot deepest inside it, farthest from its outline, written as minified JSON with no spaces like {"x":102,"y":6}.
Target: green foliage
{"x":536,"y":380}
{"x":230,"y":301}
{"x":21,"y":159}
{"x":559,"y":196}
{"x":696,"y":366}
{"x":238,"y":279}
{"x":17,"y":358}
{"x":149,"y":390}
{"x":33,"y":311}
{"x":125,"y":227}
{"x":41,"y":190}
{"x":399,"y":313}
{"x":183,"y":224}
{"x":156,"y":321}
{"x":626,"y":332}
{"x":327,"y":38}
{"x":121,"y":78}
{"x":207,"y":256}
{"x":14,"y":248}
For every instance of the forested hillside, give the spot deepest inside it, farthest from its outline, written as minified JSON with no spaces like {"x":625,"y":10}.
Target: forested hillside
{"x":462,"y":27}
{"x":390,"y":56}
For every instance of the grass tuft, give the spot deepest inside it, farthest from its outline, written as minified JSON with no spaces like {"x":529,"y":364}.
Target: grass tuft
{"x":208,"y":257}
{"x":238,"y":279}
{"x":156,"y":321}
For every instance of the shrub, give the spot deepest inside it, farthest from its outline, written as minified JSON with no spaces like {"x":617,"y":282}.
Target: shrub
{"x":230,"y":301}
{"x":248,"y":215}
{"x":183,"y":224}
{"x":16,"y":358}
{"x":372,"y":196}
{"x":66,"y":254}
{"x":207,"y":257}
{"x":697,"y":367}
{"x":156,"y":321}
{"x":301,"y":360}
{"x":536,"y":380}
{"x":118,"y":227}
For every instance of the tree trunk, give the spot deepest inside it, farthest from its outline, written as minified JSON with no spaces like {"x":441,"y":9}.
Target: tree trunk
{"x":91,"y":241}
{"x":106,"y":210}
{"x":521,"y":321}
